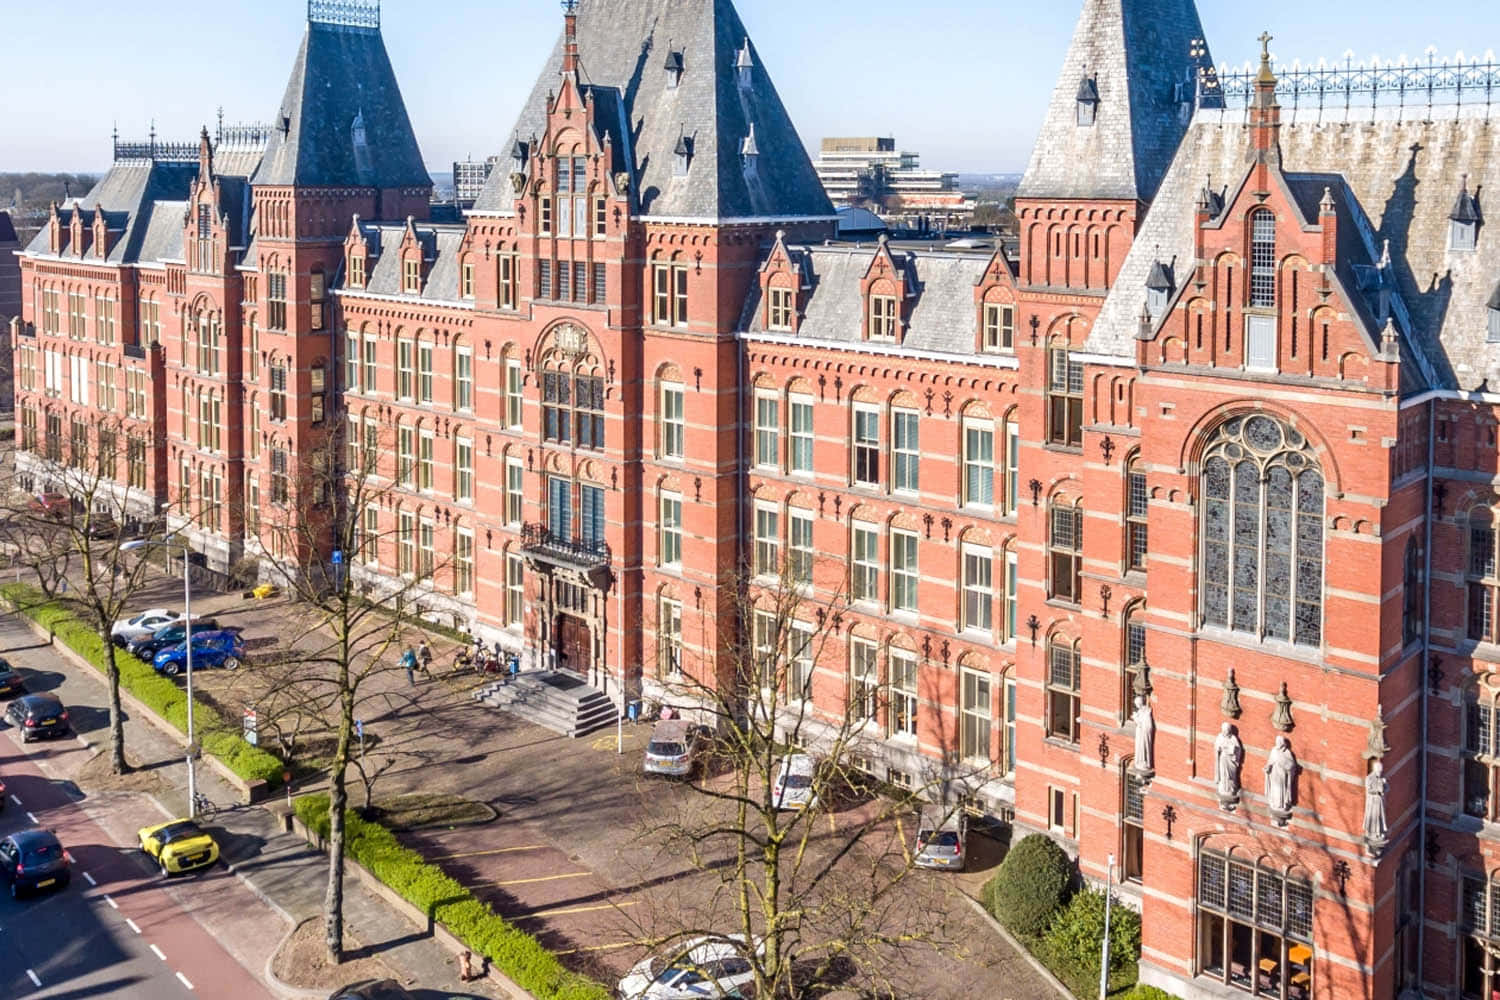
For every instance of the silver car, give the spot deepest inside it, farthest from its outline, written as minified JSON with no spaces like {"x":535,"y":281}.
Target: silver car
{"x":674,"y":748}
{"x":704,"y":968}
{"x":941,"y":835}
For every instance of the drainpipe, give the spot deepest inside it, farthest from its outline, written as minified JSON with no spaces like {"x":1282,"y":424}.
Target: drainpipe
{"x":1422,"y":681}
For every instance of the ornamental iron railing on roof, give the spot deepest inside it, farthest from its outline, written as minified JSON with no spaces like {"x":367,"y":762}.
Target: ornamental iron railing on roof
{"x":154,"y":149}
{"x":246,"y":136}
{"x":1359,"y":88}
{"x":347,"y":13}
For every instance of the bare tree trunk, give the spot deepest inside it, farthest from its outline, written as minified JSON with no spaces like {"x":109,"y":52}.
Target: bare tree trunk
{"x":117,"y":764}
{"x":338,"y":801}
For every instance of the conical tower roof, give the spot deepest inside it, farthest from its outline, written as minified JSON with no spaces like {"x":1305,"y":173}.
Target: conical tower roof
{"x":1141,"y":58}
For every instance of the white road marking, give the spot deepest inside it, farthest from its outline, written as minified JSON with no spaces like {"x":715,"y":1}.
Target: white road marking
{"x":90,"y":878}
{"x":112,"y":904}
{"x":85,"y":743}
{"x":32,"y":816}
{"x":157,"y":952}
{"x":34,"y":980}
{"x":132,"y":924}
{"x":16,"y":799}
{"x":184,"y":980}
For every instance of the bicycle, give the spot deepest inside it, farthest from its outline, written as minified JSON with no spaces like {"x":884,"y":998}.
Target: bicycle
{"x":204,"y":807}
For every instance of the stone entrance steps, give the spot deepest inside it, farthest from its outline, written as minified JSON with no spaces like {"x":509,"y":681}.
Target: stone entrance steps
{"x":553,"y":699}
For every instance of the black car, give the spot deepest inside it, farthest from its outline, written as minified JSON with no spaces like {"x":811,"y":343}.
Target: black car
{"x":33,"y":859}
{"x":38,"y":717}
{"x":167,"y":637}
{"x":11,"y":683}
{"x":371,"y":989}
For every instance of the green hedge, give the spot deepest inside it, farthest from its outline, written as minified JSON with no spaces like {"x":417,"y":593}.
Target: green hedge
{"x":1072,"y":944}
{"x":514,"y":952}
{"x":1030,"y":886}
{"x":1140,"y":992}
{"x":217,"y":735}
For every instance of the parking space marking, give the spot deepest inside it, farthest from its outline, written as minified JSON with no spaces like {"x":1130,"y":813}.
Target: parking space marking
{"x":34,"y":980}
{"x":157,"y":952}
{"x":112,"y":904}
{"x":184,"y":980}
{"x":484,"y":854}
{"x":539,"y":878}
{"x":32,"y":816}
{"x":133,"y":925}
{"x":16,"y":799}
{"x":597,"y":947}
{"x":539,"y":914}
{"x":90,"y":878}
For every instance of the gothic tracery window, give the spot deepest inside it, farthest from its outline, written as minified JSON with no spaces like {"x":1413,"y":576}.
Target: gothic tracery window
{"x":1263,"y":532}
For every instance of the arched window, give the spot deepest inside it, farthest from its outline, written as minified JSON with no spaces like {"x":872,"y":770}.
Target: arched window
{"x":1133,"y":656}
{"x":1262,"y":258}
{"x":1412,"y":617}
{"x":1135,"y":514}
{"x":1263,"y":532}
{"x":1259,"y":911}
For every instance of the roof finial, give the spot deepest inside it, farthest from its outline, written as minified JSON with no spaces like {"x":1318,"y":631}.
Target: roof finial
{"x":570,"y":36}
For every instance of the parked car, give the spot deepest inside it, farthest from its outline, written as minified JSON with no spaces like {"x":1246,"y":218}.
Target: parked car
{"x":223,"y":648}
{"x":2,"y":796}
{"x":792,"y":785}
{"x":54,"y":506}
{"x":11,"y":683}
{"x":33,"y":859}
{"x":178,"y":846}
{"x":372,"y":989}
{"x":674,"y":748}
{"x":102,"y":525}
{"x":941,"y":835}
{"x":702,"y":968}
{"x":142,"y":625}
{"x":38,"y":716}
{"x":147,"y":647}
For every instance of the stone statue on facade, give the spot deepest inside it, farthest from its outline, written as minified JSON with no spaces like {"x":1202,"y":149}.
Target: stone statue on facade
{"x":1281,"y":780}
{"x":1229,"y":754}
{"x":1376,"y":830}
{"x":1145,"y":735}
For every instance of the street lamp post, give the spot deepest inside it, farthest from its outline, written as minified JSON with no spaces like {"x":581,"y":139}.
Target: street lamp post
{"x":187,"y":616}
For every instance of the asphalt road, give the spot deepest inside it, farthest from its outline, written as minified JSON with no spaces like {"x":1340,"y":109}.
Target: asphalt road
{"x":117,"y":931}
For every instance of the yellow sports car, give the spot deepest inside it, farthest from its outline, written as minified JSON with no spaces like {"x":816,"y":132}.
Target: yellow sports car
{"x":179,"y":846}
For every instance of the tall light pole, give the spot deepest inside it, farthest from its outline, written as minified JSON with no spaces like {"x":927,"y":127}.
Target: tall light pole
{"x":1109,"y":895}
{"x":187,"y":617}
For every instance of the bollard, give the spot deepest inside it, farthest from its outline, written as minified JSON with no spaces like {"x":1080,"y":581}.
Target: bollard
{"x":465,"y":968}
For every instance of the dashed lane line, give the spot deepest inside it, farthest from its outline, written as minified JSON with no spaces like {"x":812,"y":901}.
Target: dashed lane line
{"x":32,"y":816}
{"x":16,"y":799}
{"x":540,"y":914}
{"x":538,"y":878}
{"x":483,"y":854}
{"x":133,"y":925}
{"x":112,"y":904}
{"x":157,"y":952}
{"x":34,"y":980}
{"x":184,"y":980}
{"x":90,"y":878}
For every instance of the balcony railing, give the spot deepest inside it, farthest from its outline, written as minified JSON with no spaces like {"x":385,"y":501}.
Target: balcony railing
{"x":539,"y":540}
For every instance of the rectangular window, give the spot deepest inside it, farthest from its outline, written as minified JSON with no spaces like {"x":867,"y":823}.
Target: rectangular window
{"x":588,"y":412}
{"x":426,"y":552}
{"x":999,"y":327}
{"x":513,"y":397}
{"x":276,"y":301}
{"x":104,"y":377}
{"x":463,"y":562}
{"x":424,"y":371}
{"x":405,"y":368}
{"x":356,"y":270}
{"x":505,"y":291}
{"x":864,"y":680}
{"x":1260,"y":343}
{"x":1064,"y":399}
{"x":515,"y":478}
{"x":544,"y":279}
{"x":1011,"y":581}
{"x":406,"y":543}
{"x":370,"y":364}
{"x":979,"y":464}
{"x":463,"y":469}
{"x":317,"y":295}
{"x":670,"y":295}
{"x":903,"y":693}
{"x":866,"y":446}
{"x":466,"y":280}
{"x":882,"y":317}
{"x":1008,"y":765}
{"x":601,"y":285}
{"x":670,"y":534}
{"x":351,"y":362}
{"x":780,"y":316}
{"x":767,"y":430}
{"x":104,"y":319}
{"x":463,"y":379}
{"x":425,"y":445}
{"x":372,"y":447}
{"x":669,"y":637}
{"x":974,"y":735}
{"x":800,"y":545}
{"x":77,"y":316}
{"x":560,"y":508}
{"x":135,"y":456}
{"x":978,"y":589}
{"x":78,"y":379}
{"x":411,"y":276}
{"x":903,"y":570}
{"x":905,"y":451}
{"x":280,"y":484}
{"x":673,"y":428}
{"x":865,"y":568}
{"x":1063,"y":679}
{"x":1065,"y":550}
{"x":317,"y":395}
{"x":406,"y":456}
{"x":1135,"y":517}
{"x":767,"y":540}
{"x":591,"y":511}
{"x":515,"y":590}
{"x":799,"y":456}
{"x":1012,"y":465}
{"x":564,"y":280}
{"x":1132,"y":828}
{"x":799,"y":667}
{"x":1255,"y":926}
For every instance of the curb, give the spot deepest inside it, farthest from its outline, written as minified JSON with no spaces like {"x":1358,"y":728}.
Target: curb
{"x":284,"y":988}
{"x":1018,"y":948}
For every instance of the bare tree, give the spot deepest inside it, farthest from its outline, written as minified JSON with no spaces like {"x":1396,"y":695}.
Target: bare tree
{"x":825,"y":892}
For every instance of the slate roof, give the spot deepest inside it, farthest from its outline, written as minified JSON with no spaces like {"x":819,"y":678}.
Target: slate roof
{"x":1135,"y":55}
{"x":942,"y":316}
{"x":129,"y":193}
{"x":1393,"y":181}
{"x":623,"y":47}
{"x":440,"y":246}
{"x":342,"y":84}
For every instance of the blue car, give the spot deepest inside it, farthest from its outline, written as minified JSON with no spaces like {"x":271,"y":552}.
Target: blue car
{"x":223,"y":648}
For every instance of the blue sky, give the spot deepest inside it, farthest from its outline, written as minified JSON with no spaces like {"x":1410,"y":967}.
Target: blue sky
{"x":965,"y":82}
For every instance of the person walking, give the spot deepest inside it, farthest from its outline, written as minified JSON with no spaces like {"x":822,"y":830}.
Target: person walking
{"x":424,"y":657}
{"x":409,"y":663}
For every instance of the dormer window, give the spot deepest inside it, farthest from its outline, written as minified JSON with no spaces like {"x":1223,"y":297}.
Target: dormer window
{"x":1463,"y":221}
{"x":674,"y":69}
{"x":744,"y":65}
{"x":1159,"y":287}
{"x":357,"y":269}
{"x":749,"y":153}
{"x":1088,"y":100}
{"x":999,"y":328}
{"x":1493,"y":313}
{"x":466,"y":280}
{"x":779,"y":316}
{"x":883,"y":317}
{"x":683,"y":155}
{"x":411,"y":276}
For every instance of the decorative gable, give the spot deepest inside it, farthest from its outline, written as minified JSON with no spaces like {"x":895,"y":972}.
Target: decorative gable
{"x":995,"y":303}
{"x":1088,"y":100}
{"x":885,"y":290}
{"x":356,"y":256}
{"x":413,"y":262}
{"x":1464,"y":220}
{"x":783,"y":287}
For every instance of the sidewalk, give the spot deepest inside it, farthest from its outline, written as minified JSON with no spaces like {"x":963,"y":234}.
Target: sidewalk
{"x":280,"y":868}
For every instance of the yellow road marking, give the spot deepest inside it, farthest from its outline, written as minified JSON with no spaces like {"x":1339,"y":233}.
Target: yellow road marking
{"x":609,"y":741}
{"x":596,"y":947}
{"x":539,"y":878}
{"x":480,"y":854}
{"x":535,"y":914}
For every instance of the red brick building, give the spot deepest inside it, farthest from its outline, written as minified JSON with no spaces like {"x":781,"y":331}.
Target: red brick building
{"x":1177,"y":528}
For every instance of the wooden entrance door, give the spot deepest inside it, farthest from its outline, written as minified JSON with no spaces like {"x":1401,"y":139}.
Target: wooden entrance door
{"x":574,"y":644}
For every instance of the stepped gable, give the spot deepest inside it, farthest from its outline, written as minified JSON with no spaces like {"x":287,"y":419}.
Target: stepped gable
{"x":623,"y":49}
{"x":342,"y":122}
{"x":129,"y":194}
{"x":1393,"y":181}
{"x":1139,"y":59}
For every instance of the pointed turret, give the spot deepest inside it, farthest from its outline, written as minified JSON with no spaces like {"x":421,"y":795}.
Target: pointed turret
{"x":1118,"y":111}
{"x":342,"y":122}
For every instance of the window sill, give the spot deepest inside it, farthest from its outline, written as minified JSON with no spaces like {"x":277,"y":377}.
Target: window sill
{"x":1066,"y":449}
{"x":1279,"y":647}
{"x":1061,"y":743}
{"x":1063,"y":604}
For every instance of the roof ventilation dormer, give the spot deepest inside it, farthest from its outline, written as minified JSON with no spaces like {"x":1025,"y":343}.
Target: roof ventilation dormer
{"x":1160,"y":284}
{"x":749,"y":152}
{"x":744,"y":65}
{"x":682,"y":155}
{"x":1464,"y":220}
{"x":1088,"y":100}
{"x":673,"y":66}
{"x":1493,"y":313}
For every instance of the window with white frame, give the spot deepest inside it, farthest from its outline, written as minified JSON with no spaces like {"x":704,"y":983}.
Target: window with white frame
{"x":864,"y":583}
{"x":903,"y":570}
{"x":976,"y":709}
{"x":767,"y":539}
{"x":978,"y":589}
{"x":105,"y":378}
{"x":670,"y":531}
{"x":673,"y":426}
{"x":424,"y":371}
{"x":372,"y":447}
{"x":799,"y":670}
{"x":902,"y":696}
{"x":979,"y":463}
{"x":78,"y":379}
{"x":351,"y":362}
{"x":670,"y":295}
{"x":515,"y":589}
{"x":1008,"y":764}
{"x":906,"y":458}
{"x":780,"y":316}
{"x":515,"y":478}
{"x":1008,"y":619}
{"x":426,"y":548}
{"x":1481,"y":755}
{"x":800,"y":545}
{"x":669,"y":637}
{"x":883,"y":317}
{"x":370,"y":547}
{"x":53,"y":374}
{"x":406,"y":542}
{"x":513,"y":396}
{"x":1135,"y":514}
{"x":1065,"y":552}
{"x":864,"y":679}
{"x":406,"y":376}
{"x":406,"y":456}
{"x":1063,"y":686}
{"x":1012,"y":436}
{"x":999,"y":327}
{"x":426,"y":441}
{"x":799,"y":455}
{"x":463,"y":469}
{"x":767,"y":429}
{"x":463,"y":378}
{"x":1064,"y":398}
{"x":866,"y":445}
{"x":463,"y":562}
{"x":371,"y":364}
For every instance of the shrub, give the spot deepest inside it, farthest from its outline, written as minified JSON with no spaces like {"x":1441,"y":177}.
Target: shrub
{"x":1139,"y":992}
{"x":511,"y":950}
{"x":1074,"y":938}
{"x":161,"y":695}
{"x":1029,"y":886}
